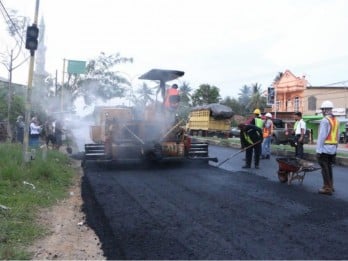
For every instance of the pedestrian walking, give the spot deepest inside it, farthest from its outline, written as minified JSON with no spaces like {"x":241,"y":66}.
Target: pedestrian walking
{"x":300,"y":131}
{"x":251,"y":139}
{"x":326,"y":148}
{"x":267,"y":132}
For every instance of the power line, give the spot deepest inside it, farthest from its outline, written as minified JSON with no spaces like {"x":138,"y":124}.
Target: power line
{"x":8,"y":20}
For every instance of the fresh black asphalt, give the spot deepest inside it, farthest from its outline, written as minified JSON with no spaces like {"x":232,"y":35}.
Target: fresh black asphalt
{"x":198,"y":211}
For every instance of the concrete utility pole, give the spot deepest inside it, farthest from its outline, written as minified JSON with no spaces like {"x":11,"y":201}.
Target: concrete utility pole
{"x":9,"y":97}
{"x":61,"y":91}
{"x":26,"y":153}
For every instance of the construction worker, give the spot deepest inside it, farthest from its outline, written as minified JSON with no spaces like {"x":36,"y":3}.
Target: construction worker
{"x":251,"y":140}
{"x":300,"y":130}
{"x":257,"y":121}
{"x":267,"y":132}
{"x":326,"y":148}
{"x":172,"y":98}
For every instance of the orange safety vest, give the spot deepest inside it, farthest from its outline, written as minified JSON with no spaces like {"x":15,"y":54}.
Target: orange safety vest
{"x":266,"y":132}
{"x":332,"y":137}
{"x":171,"y":92}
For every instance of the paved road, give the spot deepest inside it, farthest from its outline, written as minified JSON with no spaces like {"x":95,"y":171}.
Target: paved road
{"x":179,"y":211}
{"x":269,"y":168}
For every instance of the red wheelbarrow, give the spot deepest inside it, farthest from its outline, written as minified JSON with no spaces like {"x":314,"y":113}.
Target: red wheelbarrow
{"x":294,"y":169}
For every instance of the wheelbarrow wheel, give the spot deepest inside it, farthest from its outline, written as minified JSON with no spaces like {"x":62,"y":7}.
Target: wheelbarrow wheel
{"x":283,"y":176}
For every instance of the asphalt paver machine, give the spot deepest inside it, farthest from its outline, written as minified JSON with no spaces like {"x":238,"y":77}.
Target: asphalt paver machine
{"x":124,"y":134}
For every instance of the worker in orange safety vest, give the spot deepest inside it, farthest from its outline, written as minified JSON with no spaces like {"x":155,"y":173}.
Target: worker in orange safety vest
{"x":267,"y":132}
{"x":172,"y":98}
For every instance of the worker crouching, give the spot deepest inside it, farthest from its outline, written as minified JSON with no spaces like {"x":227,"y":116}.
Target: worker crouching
{"x":251,"y":140}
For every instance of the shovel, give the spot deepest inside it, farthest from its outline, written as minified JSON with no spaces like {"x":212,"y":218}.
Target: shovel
{"x":235,"y":154}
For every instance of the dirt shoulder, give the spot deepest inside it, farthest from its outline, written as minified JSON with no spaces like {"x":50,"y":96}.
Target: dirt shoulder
{"x":69,"y":237}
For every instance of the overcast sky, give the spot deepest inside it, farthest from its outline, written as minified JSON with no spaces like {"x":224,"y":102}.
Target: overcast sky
{"x":225,"y":43}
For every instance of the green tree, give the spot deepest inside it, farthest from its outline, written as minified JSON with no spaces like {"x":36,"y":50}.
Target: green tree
{"x":102,"y":79}
{"x":256,"y":100}
{"x":205,"y":94}
{"x":234,"y":104}
{"x":18,"y":106}
{"x":185,"y":93}
{"x":185,"y":100}
{"x":244,"y":95}
{"x":145,"y":94}
{"x":16,"y":26}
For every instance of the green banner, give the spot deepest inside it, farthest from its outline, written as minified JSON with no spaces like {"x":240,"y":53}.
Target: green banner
{"x":76,"y":67}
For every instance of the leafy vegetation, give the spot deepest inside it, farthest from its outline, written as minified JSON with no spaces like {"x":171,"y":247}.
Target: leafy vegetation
{"x":23,"y":190}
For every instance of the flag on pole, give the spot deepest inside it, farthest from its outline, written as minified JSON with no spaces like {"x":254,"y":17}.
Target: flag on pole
{"x":76,"y":67}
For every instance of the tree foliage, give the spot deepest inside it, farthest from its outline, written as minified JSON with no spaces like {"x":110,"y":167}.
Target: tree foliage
{"x":185,"y":93}
{"x":205,"y":94}
{"x":250,"y":98}
{"x":256,"y":99}
{"x":185,"y":100}
{"x":234,"y":104}
{"x":102,"y":79}
{"x":144,"y":96}
{"x":17,"y":108}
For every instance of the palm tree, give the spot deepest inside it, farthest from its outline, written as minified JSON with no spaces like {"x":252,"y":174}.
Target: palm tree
{"x":256,"y":100}
{"x":185,"y":96}
{"x":244,"y":95}
{"x":145,"y":94}
{"x":234,"y":105}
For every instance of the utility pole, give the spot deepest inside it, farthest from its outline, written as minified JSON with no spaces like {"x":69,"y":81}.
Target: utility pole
{"x":62,"y":90}
{"x":31,"y":44}
{"x":275,"y":102}
{"x":9,"y":96}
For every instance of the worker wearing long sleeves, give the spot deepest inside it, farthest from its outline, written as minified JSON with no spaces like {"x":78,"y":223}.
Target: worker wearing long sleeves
{"x":251,"y":139}
{"x":326,"y":148}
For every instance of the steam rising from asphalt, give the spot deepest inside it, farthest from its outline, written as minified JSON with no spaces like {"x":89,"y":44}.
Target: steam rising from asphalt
{"x":78,"y":122}
{"x":79,"y":126}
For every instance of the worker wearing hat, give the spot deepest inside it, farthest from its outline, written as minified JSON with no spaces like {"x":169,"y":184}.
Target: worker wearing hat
{"x":267,"y":132}
{"x":251,"y":140}
{"x":257,"y":121}
{"x":326,"y":148}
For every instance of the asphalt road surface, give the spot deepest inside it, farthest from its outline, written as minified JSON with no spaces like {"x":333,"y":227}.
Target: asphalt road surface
{"x":199,"y":211}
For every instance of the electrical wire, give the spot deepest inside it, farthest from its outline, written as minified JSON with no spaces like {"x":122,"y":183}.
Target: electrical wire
{"x":8,"y":21}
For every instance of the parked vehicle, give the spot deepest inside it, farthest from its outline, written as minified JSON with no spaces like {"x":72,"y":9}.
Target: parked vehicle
{"x":235,"y":132}
{"x":283,"y":133}
{"x":210,"y":120}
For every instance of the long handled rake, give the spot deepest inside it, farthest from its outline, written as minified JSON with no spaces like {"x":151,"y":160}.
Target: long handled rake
{"x":240,"y":151}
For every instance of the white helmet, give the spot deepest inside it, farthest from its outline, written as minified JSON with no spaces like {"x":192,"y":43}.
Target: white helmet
{"x":326,"y":105}
{"x":268,"y":115}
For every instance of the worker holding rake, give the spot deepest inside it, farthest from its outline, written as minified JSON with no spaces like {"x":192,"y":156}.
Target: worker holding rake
{"x":251,"y":139}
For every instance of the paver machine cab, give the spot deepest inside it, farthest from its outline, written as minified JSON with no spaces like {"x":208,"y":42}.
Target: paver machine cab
{"x":150,"y":133}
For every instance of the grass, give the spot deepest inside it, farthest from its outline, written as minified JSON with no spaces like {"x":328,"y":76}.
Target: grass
{"x":24,"y":189}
